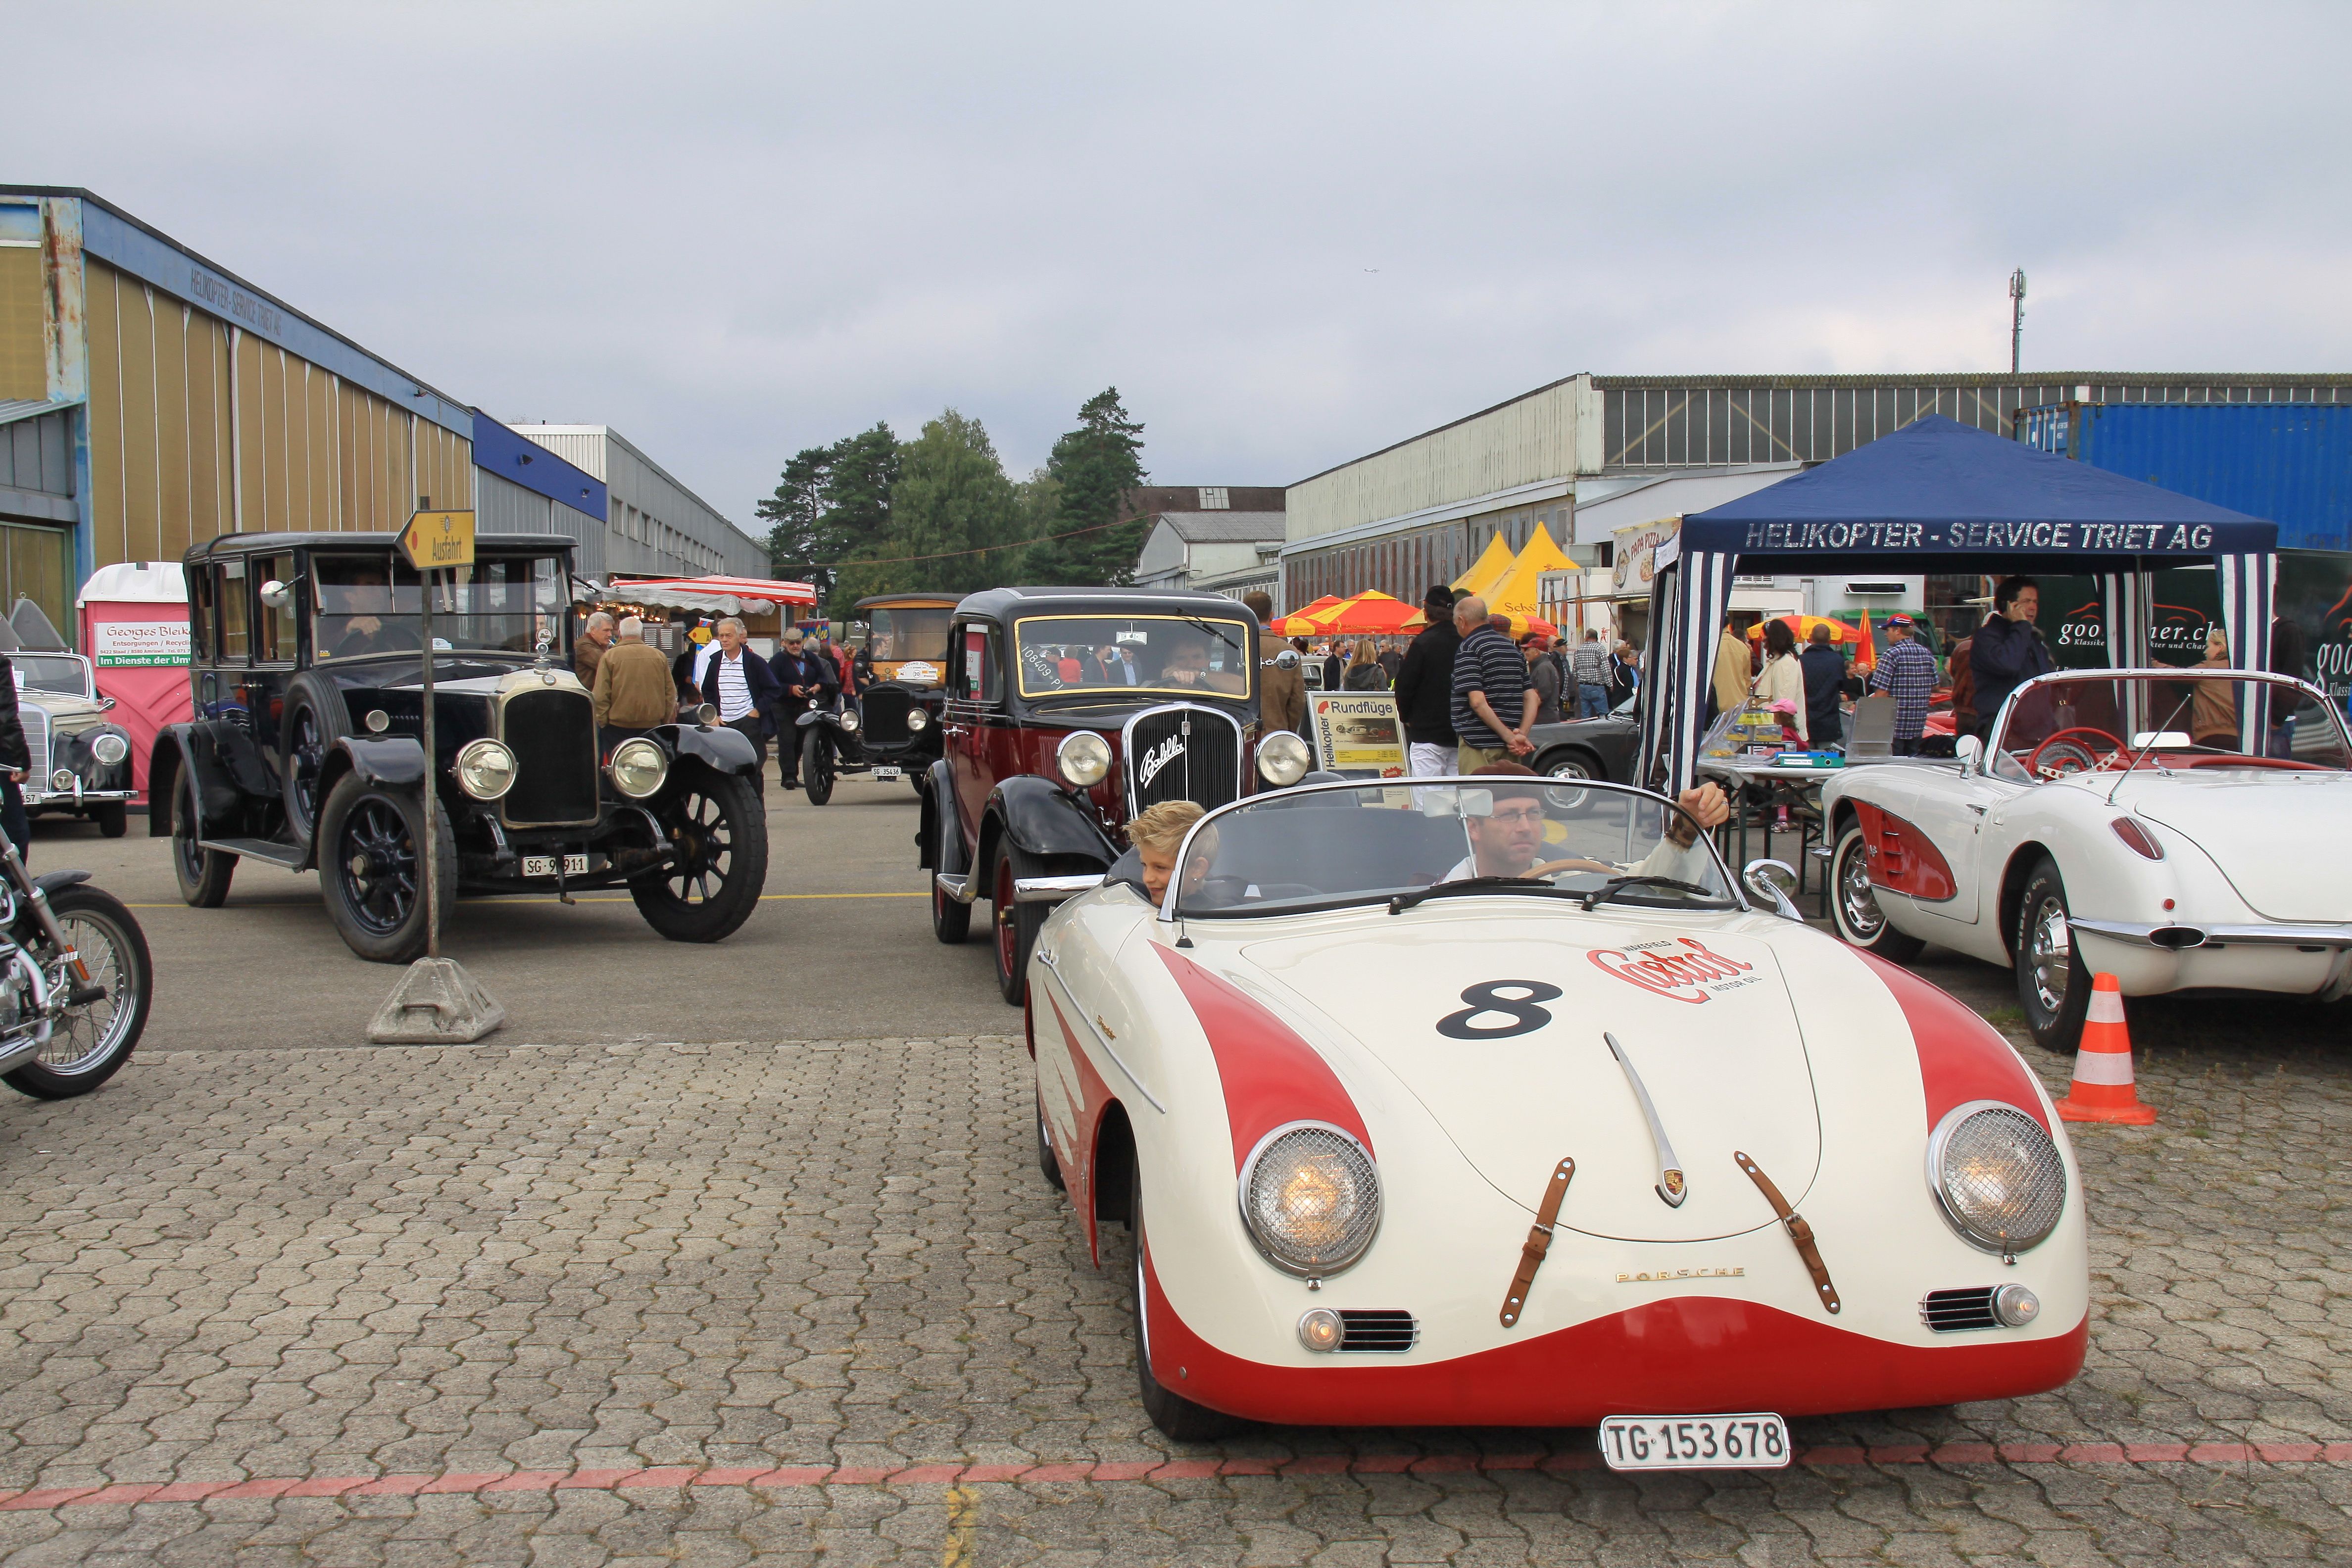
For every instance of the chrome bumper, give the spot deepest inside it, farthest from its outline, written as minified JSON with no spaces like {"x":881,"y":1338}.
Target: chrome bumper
{"x":35,"y":798}
{"x":1025,"y":890}
{"x":2180,"y":938}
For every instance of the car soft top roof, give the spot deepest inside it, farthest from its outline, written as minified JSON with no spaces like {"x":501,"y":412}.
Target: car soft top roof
{"x":1011,"y":604}
{"x":264,"y":543}
{"x":892,"y":600}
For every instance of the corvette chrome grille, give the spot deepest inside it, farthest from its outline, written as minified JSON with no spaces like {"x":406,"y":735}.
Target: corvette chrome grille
{"x":1367,"y":1330}
{"x":1952,"y":1311}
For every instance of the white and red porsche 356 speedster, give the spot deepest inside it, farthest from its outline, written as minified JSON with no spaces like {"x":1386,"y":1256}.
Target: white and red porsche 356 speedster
{"x":2177,"y":828}
{"x":1490,"y":1101}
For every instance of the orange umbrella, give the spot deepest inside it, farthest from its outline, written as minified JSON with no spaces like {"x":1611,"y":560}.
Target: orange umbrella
{"x":1865,"y":653}
{"x":1522,"y":624}
{"x":1298,"y":624}
{"x":1804,"y":627}
{"x":1369,"y":612}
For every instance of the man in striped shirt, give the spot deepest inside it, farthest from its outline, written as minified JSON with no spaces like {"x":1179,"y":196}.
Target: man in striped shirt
{"x":1908,"y":670}
{"x":743,"y":689}
{"x":1494,"y":696}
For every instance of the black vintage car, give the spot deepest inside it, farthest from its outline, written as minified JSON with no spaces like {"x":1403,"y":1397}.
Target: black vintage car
{"x":305,"y":750}
{"x":1068,"y":710}
{"x":892,"y":729}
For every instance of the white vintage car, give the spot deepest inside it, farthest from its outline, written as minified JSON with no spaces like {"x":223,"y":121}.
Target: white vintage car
{"x":1493,"y":1101}
{"x":2149,"y":823}
{"x":82,"y":759}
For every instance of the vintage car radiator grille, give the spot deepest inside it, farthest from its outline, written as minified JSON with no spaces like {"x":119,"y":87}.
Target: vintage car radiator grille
{"x":1371,"y":1330}
{"x":37,"y":744}
{"x":1183,"y":753}
{"x":883,"y":710}
{"x":1950,"y":1311}
{"x":552,"y":733}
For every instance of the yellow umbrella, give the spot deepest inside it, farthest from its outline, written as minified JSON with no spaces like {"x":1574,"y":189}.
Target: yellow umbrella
{"x":1300,"y":622}
{"x":1515,"y":593}
{"x":1371,"y":610}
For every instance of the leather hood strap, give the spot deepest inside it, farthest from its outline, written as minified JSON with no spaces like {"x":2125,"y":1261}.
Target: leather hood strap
{"x":1538,"y":1243}
{"x":1799,"y":1231}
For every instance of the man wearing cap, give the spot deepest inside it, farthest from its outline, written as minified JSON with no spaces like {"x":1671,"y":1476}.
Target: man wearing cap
{"x":1425,"y":687}
{"x":1908,"y":670}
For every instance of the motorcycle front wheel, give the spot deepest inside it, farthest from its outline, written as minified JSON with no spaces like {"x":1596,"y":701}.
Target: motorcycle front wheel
{"x":90,"y":1042}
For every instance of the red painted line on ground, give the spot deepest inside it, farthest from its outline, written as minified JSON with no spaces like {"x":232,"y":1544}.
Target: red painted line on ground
{"x":469,"y":1483}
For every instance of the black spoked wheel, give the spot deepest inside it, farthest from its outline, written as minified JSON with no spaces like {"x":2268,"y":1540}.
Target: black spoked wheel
{"x":2052,"y":987}
{"x":1173,"y":1414}
{"x":1017,"y":925}
{"x":371,"y":868}
{"x":950,"y":921}
{"x":92,"y":1040}
{"x":1853,"y":903}
{"x":203,"y":874}
{"x":719,"y":845}
{"x":816,"y":766}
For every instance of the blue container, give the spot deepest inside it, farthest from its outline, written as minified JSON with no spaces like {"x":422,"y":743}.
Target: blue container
{"x":2289,"y":462}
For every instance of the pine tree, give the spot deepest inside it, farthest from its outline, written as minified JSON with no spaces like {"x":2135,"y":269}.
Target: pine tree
{"x":952,"y":500}
{"x":832,"y":503}
{"x":1092,"y":469}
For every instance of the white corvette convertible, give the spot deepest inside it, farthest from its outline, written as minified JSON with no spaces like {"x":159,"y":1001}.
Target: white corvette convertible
{"x":1485,"y":1101}
{"x":2117,"y":821}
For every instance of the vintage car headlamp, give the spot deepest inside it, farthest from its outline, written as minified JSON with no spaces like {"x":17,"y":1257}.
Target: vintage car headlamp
{"x":1310,"y":1198}
{"x":1082,"y":759}
{"x":486,"y":769}
{"x":847,"y":719}
{"x":110,"y":749}
{"x":62,"y":779}
{"x":1997,"y":1176}
{"x":1283,"y":759}
{"x":917,"y":720}
{"x":638,"y":768}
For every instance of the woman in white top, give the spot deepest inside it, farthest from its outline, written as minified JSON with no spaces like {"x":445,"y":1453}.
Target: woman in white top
{"x":1783,"y":677}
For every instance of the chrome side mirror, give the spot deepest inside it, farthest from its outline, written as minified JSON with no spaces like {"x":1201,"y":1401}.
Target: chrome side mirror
{"x":1970,"y":750}
{"x":106,"y":705}
{"x":1772,"y":881}
{"x":277,"y":594}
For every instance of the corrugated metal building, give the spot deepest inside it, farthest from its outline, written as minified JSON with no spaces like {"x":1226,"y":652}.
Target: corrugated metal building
{"x":520,"y":486}
{"x":654,"y":526}
{"x":1422,"y":510}
{"x":185,"y":402}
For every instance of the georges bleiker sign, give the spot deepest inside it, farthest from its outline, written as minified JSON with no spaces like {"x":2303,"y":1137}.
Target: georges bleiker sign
{"x":2087,"y":538}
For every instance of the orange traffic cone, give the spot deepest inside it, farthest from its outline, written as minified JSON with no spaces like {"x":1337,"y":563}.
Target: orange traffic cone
{"x":2102,"y":1089}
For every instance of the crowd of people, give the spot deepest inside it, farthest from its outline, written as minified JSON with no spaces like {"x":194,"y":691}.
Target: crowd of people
{"x":1467,"y":690}
{"x":636,"y":686}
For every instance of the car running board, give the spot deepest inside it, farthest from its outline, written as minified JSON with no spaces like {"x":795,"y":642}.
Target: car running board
{"x":276,"y":854}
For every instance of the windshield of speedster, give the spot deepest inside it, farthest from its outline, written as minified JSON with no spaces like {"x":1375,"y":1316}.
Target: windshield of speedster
{"x":373,"y":604}
{"x":2192,"y":718}
{"x":1179,"y":654}
{"x":1327,"y":846}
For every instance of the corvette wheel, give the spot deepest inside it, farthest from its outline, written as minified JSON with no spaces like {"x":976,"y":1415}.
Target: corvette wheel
{"x":1173,"y":1414}
{"x":2054,"y":990}
{"x":1853,"y":903}
{"x":1017,"y":926}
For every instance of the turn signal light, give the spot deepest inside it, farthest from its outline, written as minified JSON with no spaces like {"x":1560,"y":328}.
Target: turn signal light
{"x":1321,"y":1329}
{"x":2137,"y":839}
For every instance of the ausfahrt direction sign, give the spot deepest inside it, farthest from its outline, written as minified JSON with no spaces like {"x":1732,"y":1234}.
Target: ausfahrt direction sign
{"x":435,"y":539}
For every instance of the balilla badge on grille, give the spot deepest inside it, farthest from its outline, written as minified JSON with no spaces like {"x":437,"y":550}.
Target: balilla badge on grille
{"x":1160,"y":755}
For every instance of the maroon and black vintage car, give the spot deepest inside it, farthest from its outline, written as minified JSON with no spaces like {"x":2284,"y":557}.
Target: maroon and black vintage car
{"x":1068,"y":710}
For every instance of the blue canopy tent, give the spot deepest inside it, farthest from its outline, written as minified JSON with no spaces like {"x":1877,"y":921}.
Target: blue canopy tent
{"x":1938,"y":496}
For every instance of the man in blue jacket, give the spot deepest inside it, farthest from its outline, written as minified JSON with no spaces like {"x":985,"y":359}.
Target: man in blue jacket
{"x":739,"y":683}
{"x":2009,"y":651}
{"x":806,"y":679}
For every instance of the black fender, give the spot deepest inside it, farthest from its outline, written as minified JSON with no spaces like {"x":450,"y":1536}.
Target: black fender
{"x":810,"y":716}
{"x":938,"y":805}
{"x":204,"y":749}
{"x":394,"y":762}
{"x":53,"y":881}
{"x":714,"y":745}
{"x":1041,"y":819}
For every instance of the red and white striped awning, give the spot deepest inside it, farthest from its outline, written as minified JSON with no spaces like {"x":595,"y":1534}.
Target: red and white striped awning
{"x":714,"y":596}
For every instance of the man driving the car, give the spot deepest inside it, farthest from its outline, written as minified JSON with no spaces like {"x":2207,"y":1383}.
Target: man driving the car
{"x":1505,"y":823}
{"x":1187,"y":665}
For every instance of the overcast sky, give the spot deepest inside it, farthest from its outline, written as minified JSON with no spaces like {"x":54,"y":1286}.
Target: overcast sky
{"x":1288,"y":234}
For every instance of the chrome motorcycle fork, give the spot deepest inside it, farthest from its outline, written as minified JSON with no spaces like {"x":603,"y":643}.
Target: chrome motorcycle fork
{"x":42,"y":914}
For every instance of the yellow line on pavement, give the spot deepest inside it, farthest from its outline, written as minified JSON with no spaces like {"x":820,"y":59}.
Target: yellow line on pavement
{"x":595,"y":898}
{"x":964,"y":1518}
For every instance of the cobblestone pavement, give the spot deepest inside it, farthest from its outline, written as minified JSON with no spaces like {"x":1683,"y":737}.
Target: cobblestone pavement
{"x":811,"y":1302}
